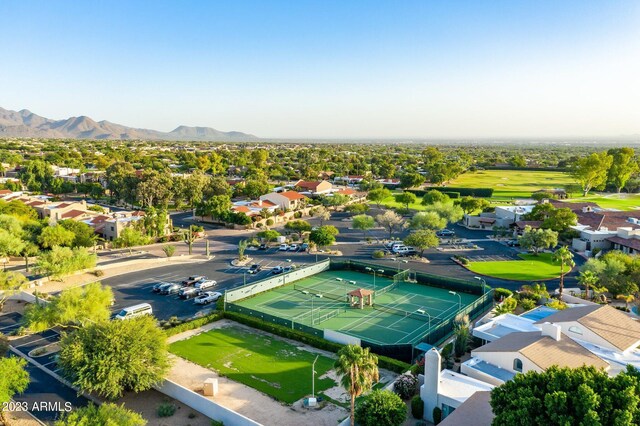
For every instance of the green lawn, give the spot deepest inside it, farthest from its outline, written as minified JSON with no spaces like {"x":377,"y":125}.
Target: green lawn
{"x":508,"y":184}
{"x":612,"y":201}
{"x":530,"y":268}
{"x":391,"y":203}
{"x":271,"y":366}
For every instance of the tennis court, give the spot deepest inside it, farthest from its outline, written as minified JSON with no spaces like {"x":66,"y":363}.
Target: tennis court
{"x":403,"y":312}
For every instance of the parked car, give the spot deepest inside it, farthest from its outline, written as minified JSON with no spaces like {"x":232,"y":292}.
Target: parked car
{"x":283,"y":247}
{"x":263,"y":247}
{"x":255,"y":268}
{"x":156,"y":287}
{"x":398,"y":248}
{"x":304,"y":247}
{"x":203,"y":285}
{"x":288,"y":269}
{"x":207,"y":297}
{"x":277,"y":270}
{"x":134,"y":311}
{"x":513,"y":243}
{"x":188,"y":292}
{"x":194,"y":279}
{"x":406,"y":251}
{"x":170,"y":289}
{"x":294,"y":247}
{"x":445,"y":233}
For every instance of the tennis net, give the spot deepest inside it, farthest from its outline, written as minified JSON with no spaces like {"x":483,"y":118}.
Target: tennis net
{"x":386,"y":289}
{"x":326,"y":294}
{"x":401,"y":276}
{"x":328,"y":316}
{"x":401,"y":312}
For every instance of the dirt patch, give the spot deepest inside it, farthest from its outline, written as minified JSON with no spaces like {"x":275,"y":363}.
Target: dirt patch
{"x":146,"y":403}
{"x":14,"y":306}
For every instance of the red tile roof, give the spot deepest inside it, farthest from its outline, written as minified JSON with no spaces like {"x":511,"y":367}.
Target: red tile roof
{"x":5,"y":191}
{"x":632,"y":243}
{"x":310,"y":185}
{"x":242,"y":209}
{"x":347,"y":191}
{"x":292,"y":195}
{"x":73,"y":214}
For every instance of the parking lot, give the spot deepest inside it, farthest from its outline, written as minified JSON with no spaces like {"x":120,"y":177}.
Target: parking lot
{"x":9,"y":322}
{"x":136,"y":287}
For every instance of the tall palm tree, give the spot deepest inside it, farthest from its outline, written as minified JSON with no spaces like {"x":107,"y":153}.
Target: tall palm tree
{"x":565,"y":257}
{"x":359,"y":370}
{"x":588,"y":279}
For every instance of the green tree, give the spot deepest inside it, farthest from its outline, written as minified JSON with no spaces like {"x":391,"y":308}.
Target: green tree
{"x":363,"y":222}
{"x":254,"y":188}
{"x":422,"y":240}
{"x":470,"y":204}
{"x":29,"y":250}
{"x":391,"y":221}
{"x":568,"y":396}
{"x":56,"y":235}
{"x":379,"y":195}
{"x":84,"y":235}
{"x":381,"y":408}
{"x":10,"y":283}
{"x":406,"y":198}
{"x":560,"y":220}
{"x":589,"y":280}
{"x":623,"y":166}
{"x":450,"y":211}
{"x":169,"y":250}
{"x":130,"y":237}
{"x":411,"y":180}
{"x":538,"y":239}
{"x":322,"y":213}
{"x":564,"y":256}
{"x":74,"y":307}
{"x":61,"y":261}
{"x":434,"y":196}
{"x":591,"y":171}
{"x":462,"y":333}
{"x":36,"y":175}
{"x":120,"y":178}
{"x":10,"y":245}
{"x":324,"y":236}
{"x":359,"y":208}
{"x":269,"y":235}
{"x":358,"y":371}
{"x":427,"y":220}
{"x":14,"y":379}
{"x":106,"y":414}
{"x":242,"y":246}
{"x":217,"y":207}
{"x":298,"y":226}
{"x":112,"y":357}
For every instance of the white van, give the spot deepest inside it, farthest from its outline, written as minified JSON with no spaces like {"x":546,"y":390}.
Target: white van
{"x":135,"y":311}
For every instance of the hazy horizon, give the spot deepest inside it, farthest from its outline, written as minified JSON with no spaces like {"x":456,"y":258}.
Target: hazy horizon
{"x":410,"y":70}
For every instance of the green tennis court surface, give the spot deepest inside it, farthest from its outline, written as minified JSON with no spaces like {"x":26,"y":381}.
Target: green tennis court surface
{"x":403,"y":312}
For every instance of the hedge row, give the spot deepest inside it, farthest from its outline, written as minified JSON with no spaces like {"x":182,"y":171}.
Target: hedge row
{"x":462,"y":192}
{"x":193,"y":324}
{"x":317,"y":342}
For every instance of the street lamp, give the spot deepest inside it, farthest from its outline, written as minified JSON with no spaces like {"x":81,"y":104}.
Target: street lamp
{"x":380,"y":271}
{"x":483,"y":283}
{"x":459,"y":299}
{"x":313,"y":377}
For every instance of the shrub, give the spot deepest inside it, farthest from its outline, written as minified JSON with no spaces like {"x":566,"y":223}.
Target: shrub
{"x":297,"y":215}
{"x":527,"y":304}
{"x":378,"y":254}
{"x":437,"y":415}
{"x":501,"y":293}
{"x":216,"y":423}
{"x":406,"y":386}
{"x":98,"y":272}
{"x":166,"y":410}
{"x":381,"y":408}
{"x":269,"y":222}
{"x":176,"y":328}
{"x":417,"y":407}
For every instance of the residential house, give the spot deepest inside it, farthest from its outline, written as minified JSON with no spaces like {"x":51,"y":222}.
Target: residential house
{"x":502,"y":216}
{"x":314,"y":187}
{"x":254,"y":207}
{"x":287,"y":200}
{"x":475,"y":411}
{"x":446,"y":389}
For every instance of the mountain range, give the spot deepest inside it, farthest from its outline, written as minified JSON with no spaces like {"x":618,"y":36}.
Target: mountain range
{"x":25,"y":124}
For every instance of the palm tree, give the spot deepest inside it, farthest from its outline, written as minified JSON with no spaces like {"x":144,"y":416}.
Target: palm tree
{"x":628,"y":298}
{"x":588,"y":279}
{"x":359,"y":370}
{"x":565,"y":257}
{"x":242,"y":246}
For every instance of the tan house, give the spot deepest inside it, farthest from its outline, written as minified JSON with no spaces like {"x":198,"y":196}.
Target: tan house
{"x":314,"y":187}
{"x":288,"y":200}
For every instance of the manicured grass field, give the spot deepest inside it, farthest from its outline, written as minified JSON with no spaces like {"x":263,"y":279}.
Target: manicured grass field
{"x":391,"y":203}
{"x":508,"y":184}
{"x":612,"y":201}
{"x":271,"y":366}
{"x":530,"y":268}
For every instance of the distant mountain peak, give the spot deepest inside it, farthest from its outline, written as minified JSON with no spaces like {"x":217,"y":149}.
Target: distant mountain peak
{"x":26,"y":124}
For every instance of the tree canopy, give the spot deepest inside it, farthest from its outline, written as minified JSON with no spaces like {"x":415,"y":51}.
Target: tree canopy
{"x":106,"y":414}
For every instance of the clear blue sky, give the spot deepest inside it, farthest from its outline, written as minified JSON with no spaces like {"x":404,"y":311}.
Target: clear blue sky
{"x":330,"y":69}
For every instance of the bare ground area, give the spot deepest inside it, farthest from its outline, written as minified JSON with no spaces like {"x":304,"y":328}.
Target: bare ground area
{"x":13,"y":306}
{"x":146,"y":403}
{"x":20,"y":418}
